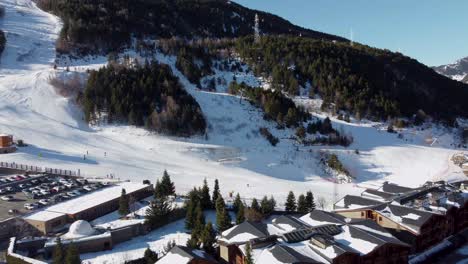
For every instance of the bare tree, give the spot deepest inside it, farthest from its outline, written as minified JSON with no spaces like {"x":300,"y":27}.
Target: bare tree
{"x":321,"y":202}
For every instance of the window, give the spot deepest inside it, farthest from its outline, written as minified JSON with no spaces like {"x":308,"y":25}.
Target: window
{"x":380,"y":218}
{"x":362,"y":214}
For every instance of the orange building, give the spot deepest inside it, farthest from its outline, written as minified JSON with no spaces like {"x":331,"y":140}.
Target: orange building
{"x":6,"y":141}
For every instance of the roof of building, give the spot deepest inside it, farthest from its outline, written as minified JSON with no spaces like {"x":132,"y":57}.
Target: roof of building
{"x":409,"y":217}
{"x":80,"y":229}
{"x":245,"y":231}
{"x":86,"y":201}
{"x":44,"y":216}
{"x":375,"y":194}
{"x":305,"y":233}
{"x":355,"y":202}
{"x":372,"y":232}
{"x":288,"y":222}
{"x":394,"y":188}
{"x":183,"y":255}
{"x":320,"y":217}
{"x":286,"y":254}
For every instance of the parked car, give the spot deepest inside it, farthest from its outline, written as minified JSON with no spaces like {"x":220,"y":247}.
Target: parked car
{"x":7,"y":198}
{"x":71,"y":194}
{"x":30,"y":206}
{"x":13,"y":211}
{"x":3,"y":191}
{"x":9,"y":189}
{"x":44,"y":201}
{"x":45,"y":192}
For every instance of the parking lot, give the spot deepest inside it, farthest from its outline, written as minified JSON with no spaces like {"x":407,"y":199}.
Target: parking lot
{"x":23,"y":193}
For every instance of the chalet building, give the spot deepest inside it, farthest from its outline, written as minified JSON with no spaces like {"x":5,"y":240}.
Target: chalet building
{"x":318,"y":237}
{"x":420,"y":216}
{"x":6,"y":144}
{"x":185,"y":255}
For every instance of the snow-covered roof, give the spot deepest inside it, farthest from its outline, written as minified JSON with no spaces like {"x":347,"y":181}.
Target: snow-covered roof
{"x":355,"y":202}
{"x":86,"y":201}
{"x":183,"y":255}
{"x":80,"y":229}
{"x":44,"y":216}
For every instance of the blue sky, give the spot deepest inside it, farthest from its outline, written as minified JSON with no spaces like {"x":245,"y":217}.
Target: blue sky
{"x":433,"y":32}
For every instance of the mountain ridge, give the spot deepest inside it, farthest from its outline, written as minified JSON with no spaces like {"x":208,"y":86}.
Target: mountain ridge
{"x":457,"y":70}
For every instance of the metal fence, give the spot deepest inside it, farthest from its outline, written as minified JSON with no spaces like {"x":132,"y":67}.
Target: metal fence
{"x":31,"y":168}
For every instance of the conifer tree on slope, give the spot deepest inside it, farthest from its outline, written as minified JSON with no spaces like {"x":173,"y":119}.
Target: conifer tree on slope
{"x":240,"y":216}
{"x":310,"y":201}
{"x":255,"y":206}
{"x":291,"y":202}
{"x":205,"y":196}
{"x":150,"y":256}
{"x":237,"y":202}
{"x":158,"y":212}
{"x":223,"y":219}
{"x":208,"y":238}
{"x":58,"y":256}
{"x":248,"y":254}
{"x":302,"y":204}
{"x":73,"y":256}
{"x":216,"y":193}
{"x":167,"y":184}
{"x":124,"y":207}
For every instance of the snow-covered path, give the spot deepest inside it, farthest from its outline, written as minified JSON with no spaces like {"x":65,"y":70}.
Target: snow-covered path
{"x":233,"y":152}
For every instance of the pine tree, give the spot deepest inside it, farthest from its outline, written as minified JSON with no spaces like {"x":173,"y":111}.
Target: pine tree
{"x":223,"y":219}
{"x":302,"y":204}
{"x":124,"y":207}
{"x":240,"y":216}
{"x":194,"y":241}
{"x":150,"y":256}
{"x":237,"y":202}
{"x":158,"y":190}
{"x":216,"y":192}
{"x":199,"y":219}
{"x":267,"y":206}
{"x":291,"y":202}
{"x":167,"y":184}
{"x":72,"y":257}
{"x":208,"y":238}
{"x":205,"y":196}
{"x":272,"y":204}
{"x":248,"y":254}
{"x":310,"y":201}
{"x":58,"y":256}
{"x":255,"y":206}
{"x":158,"y":211}
{"x":190,"y":215}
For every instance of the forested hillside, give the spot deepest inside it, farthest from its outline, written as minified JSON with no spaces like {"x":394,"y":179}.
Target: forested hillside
{"x":147,"y":95}
{"x":369,"y":82}
{"x":2,"y":41}
{"x":90,"y":25}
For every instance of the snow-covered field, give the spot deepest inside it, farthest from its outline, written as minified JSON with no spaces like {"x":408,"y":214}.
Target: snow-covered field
{"x":234,"y":152}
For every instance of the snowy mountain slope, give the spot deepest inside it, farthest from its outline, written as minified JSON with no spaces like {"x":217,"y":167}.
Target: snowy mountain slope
{"x":457,"y":70}
{"x":234,"y":153}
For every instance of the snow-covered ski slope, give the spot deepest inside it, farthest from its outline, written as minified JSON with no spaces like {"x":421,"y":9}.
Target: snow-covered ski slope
{"x":233,"y":152}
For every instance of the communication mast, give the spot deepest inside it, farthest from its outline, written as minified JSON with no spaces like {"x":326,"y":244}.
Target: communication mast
{"x":257,"y":29}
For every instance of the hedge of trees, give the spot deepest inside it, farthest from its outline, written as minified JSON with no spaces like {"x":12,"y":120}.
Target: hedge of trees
{"x":276,"y":106}
{"x":194,"y":63}
{"x":103,"y":25}
{"x":368,"y":82}
{"x":2,"y":41}
{"x":147,"y":95}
